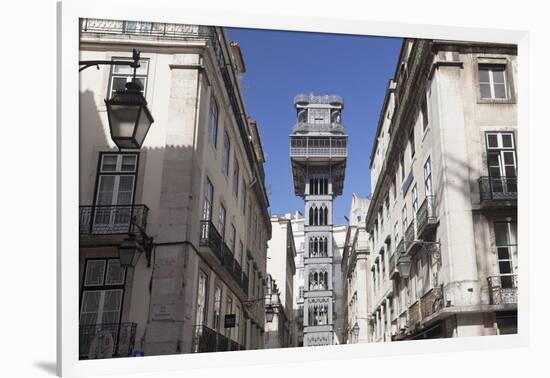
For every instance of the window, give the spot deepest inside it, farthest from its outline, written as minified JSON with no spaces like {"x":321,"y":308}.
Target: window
{"x":207,"y":201}
{"x":506,"y":245}
{"x":240,"y":253}
{"x":232,"y":240}
{"x":428,"y":176}
{"x":103,"y":290}
{"x":492,"y":81}
{"x":200,"y":316}
{"x":221,"y":220}
{"x":228,"y":311}
{"x":120,"y":75}
{"x":501,"y":154}
{"x":236,"y":178}
{"x":115,"y":189}
{"x":404,"y":218}
{"x":213,"y":127}
{"x":217,"y":307}
{"x":396,"y":233}
{"x":237,"y":323}
{"x":226,"y":150}
{"x":301,"y":292}
{"x":424,"y":112}
{"x":414,"y":200}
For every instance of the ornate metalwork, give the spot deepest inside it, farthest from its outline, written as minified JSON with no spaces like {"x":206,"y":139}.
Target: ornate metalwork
{"x":114,"y":219}
{"x":316,"y":99}
{"x":211,"y":238}
{"x":503,"y":289}
{"x":425,"y":215}
{"x":498,"y":188}
{"x":95,"y":340}
{"x":205,"y":339}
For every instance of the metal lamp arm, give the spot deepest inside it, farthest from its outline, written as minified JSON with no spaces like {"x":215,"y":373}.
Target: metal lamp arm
{"x":91,"y":63}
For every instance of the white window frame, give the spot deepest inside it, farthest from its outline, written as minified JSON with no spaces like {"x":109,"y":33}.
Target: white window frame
{"x":127,"y":73}
{"x":490,"y":68}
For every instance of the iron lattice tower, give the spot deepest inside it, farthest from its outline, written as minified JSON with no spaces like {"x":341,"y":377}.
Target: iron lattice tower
{"x":318,"y":152}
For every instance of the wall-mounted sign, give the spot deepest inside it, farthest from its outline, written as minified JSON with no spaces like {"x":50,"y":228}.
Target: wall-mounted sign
{"x":230,"y":321}
{"x":163,"y":312}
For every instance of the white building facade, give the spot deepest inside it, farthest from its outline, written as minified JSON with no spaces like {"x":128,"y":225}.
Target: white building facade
{"x":355,"y":271}
{"x":281,"y":254}
{"x":443,"y":217}
{"x":193,"y":195}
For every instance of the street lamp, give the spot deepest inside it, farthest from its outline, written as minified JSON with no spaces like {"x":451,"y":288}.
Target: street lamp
{"x":404,"y":264}
{"x":269,"y":314}
{"x":129,"y":251}
{"x":127,"y":112}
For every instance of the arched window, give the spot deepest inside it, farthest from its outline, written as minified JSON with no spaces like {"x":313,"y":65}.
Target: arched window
{"x":311,"y":216}
{"x":325,"y":216}
{"x":316,"y":216}
{"x":311,"y":248}
{"x":311,"y":186}
{"x":325,"y":182}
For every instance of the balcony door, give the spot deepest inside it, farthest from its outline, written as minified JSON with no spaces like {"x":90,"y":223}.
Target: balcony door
{"x":507,"y":256}
{"x":115,"y":192}
{"x":501,"y":161}
{"x":101,"y":302}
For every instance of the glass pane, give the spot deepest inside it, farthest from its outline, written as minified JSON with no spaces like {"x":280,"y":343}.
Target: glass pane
{"x":90,"y":307}
{"x":111,"y":306}
{"x":141,"y":82}
{"x":509,"y":157}
{"x":119,"y":83}
{"x":503,"y":253}
{"x":492,"y":140}
{"x":115,"y":273}
{"x":483,"y":74}
{"x":500,"y":91}
{"x":95,"y":270}
{"x":498,"y":75}
{"x":494,"y":171}
{"x":108,"y":163}
{"x":501,"y":234}
{"x":493,"y":159}
{"x":505,"y":267}
{"x":507,"y":141}
{"x":128,"y":163}
{"x":485,"y":90}
{"x":125,"y":190}
{"x":510,"y":171}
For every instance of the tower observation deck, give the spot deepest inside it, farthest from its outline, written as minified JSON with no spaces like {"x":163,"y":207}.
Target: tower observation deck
{"x":318,"y":153}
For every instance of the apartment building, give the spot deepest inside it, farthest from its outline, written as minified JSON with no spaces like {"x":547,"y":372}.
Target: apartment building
{"x":281,"y":268}
{"x":443,"y":216}
{"x":355,"y":269}
{"x":192,"y":199}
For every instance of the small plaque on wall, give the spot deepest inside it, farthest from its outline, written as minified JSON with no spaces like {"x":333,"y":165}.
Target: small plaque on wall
{"x":163,"y":312}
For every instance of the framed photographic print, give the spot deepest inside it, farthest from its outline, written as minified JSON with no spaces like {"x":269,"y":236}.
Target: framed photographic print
{"x":285,"y":189}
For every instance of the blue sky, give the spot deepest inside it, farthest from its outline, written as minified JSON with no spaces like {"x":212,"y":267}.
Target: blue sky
{"x":281,"y":64}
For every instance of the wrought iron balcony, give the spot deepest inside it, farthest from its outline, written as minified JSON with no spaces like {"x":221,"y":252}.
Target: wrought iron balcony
{"x":425,"y":216}
{"x":498,"y":189}
{"x":318,"y":152}
{"x":222,"y":343}
{"x":205,"y":339}
{"x":106,"y":340}
{"x":410,"y":235}
{"x":210,"y":237}
{"x":114,"y":219}
{"x":503,"y":289}
{"x":392,"y":265}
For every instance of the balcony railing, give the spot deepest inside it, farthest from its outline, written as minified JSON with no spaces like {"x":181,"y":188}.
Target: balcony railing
{"x":113,"y":219}
{"x":410,"y":234}
{"x":106,"y":340}
{"x":210,"y":237}
{"x":392,"y":265}
{"x":498,"y":188}
{"x":319,"y":151}
{"x":425,"y":216}
{"x":503,"y":289}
